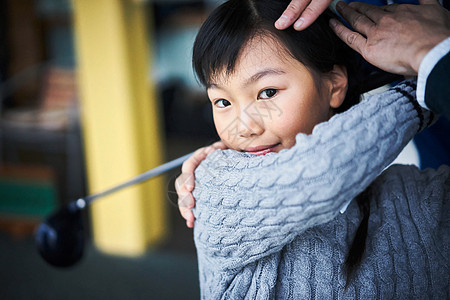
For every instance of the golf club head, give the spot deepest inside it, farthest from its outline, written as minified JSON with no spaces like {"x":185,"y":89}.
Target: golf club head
{"x":60,"y":239}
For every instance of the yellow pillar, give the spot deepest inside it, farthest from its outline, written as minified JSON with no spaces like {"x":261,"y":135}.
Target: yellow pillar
{"x":121,"y":126}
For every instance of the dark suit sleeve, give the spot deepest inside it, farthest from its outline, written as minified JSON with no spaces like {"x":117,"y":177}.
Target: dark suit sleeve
{"x":437,"y":90}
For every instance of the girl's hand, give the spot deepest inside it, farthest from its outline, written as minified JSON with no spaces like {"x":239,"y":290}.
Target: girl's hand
{"x":302,"y":12}
{"x":184,"y":184}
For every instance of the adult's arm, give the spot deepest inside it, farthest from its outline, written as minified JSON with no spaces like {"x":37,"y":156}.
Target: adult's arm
{"x":404,"y":39}
{"x":384,"y":47}
{"x":250,"y":206}
{"x":433,"y":83}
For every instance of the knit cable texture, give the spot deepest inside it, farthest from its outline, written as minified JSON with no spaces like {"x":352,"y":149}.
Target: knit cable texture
{"x":249,"y":206}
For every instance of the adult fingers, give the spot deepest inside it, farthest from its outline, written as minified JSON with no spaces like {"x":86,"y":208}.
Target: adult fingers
{"x":391,"y":7}
{"x":358,"y":21}
{"x":311,"y":12}
{"x":353,"y":39}
{"x":428,"y":2}
{"x":291,"y":13}
{"x":374,"y":13}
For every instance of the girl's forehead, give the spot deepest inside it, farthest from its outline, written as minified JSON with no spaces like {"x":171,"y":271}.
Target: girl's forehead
{"x":258,"y":60}
{"x":261,"y":53}
{"x":258,"y":53}
{"x":261,"y":47}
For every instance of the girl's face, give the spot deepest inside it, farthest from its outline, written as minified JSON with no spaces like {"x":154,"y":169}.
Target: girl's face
{"x":270,"y":98}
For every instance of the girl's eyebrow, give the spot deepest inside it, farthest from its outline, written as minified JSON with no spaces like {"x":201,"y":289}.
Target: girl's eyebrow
{"x":257,"y":76}
{"x":211,"y":85}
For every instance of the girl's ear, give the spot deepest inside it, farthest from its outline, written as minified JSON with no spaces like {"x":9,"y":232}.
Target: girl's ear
{"x":339,"y":84}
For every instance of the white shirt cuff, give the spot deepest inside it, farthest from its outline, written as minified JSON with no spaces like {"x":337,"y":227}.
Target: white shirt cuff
{"x":344,"y":207}
{"x":427,"y":65}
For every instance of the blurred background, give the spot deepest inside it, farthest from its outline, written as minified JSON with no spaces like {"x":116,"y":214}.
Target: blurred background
{"x":95,"y":92}
{"x":75,"y":78}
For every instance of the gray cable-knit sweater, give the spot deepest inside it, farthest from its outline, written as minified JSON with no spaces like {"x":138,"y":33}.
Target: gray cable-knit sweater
{"x":269,"y":227}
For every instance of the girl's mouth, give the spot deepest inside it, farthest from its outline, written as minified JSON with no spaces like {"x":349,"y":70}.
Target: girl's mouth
{"x":262,"y":150}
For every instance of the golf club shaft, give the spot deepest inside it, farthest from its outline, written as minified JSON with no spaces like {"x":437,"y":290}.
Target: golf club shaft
{"x":80,"y":203}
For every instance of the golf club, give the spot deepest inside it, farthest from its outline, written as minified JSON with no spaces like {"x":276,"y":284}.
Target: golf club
{"x":60,"y":238}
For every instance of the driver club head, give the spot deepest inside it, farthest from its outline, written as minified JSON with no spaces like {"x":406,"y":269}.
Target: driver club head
{"x":60,"y":239}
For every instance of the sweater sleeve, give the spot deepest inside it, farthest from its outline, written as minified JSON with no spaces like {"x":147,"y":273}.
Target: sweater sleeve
{"x":250,"y":206}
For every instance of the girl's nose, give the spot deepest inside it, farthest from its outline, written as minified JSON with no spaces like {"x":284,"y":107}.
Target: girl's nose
{"x":250,"y":125}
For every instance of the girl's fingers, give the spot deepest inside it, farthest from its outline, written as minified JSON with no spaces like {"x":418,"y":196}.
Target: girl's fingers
{"x":185,"y":182}
{"x":292,"y":12}
{"x":185,"y":204}
{"x":185,"y":199}
{"x":192,"y":163}
{"x":190,"y":224}
{"x":219,"y":145}
{"x":188,"y":216}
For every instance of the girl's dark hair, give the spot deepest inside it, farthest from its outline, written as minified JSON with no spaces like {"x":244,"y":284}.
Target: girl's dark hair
{"x":233,"y":24}
{"x":236,"y":22}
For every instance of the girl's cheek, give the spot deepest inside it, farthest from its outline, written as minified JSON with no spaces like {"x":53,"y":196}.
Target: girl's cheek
{"x":224,"y":128}
{"x":289,"y":124}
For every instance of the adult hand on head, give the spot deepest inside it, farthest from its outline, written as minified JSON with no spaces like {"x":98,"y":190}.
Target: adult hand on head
{"x":302,"y":12}
{"x":394,"y":38}
{"x":185,"y":183}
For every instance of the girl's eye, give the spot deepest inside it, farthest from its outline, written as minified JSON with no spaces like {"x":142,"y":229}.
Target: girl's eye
{"x":267,"y":93}
{"x":222,"y":103}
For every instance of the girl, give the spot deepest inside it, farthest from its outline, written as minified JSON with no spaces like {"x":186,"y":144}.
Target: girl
{"x":267,"y":210}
